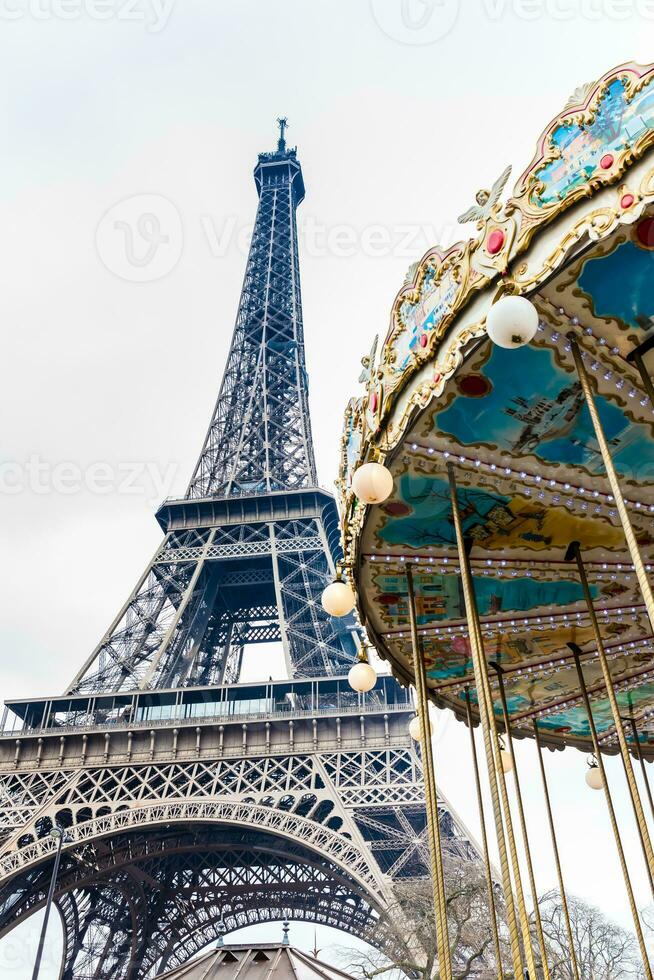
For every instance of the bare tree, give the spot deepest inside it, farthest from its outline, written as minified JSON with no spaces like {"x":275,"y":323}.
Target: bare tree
{"x":410,"y":927}
{"x":604,"y":950}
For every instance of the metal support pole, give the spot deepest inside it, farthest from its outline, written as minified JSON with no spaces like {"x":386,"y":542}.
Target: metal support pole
{"x":557,"y":859}
{"x":484,"y":837}
{"x":614,"y":483}
{"x":636,"y":357}
{"x":609,"y":802}
{"x":487,"y":723}
{"x":55,"y":832}
{"x":431,"y":793}
{"x":639,"y":753}
{"x":523,"y":823}
{"x":501,"y":781}
{"x":574,"y":551}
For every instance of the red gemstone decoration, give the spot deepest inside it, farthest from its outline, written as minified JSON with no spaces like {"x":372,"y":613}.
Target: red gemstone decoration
{"x":373,"y":401}
{"x":606,"y":161}
{"x":495,"y":241}
{"x":626,"y":201}
{"x":423,"y":340}
{"x":645,"y":232}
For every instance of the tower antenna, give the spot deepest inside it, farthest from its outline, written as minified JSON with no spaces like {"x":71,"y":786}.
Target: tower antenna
{"x":282,"y":122}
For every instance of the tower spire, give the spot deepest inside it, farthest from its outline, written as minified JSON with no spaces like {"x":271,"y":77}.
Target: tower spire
{"x":259,"y":439}
{"x":282,"y":122}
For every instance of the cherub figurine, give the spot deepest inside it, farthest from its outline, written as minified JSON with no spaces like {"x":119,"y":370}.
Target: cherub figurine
{"x":487,"y":201}
{"x":368,"y":363}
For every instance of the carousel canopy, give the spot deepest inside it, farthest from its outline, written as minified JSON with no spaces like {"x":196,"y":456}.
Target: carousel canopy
{"x":577,"y":238}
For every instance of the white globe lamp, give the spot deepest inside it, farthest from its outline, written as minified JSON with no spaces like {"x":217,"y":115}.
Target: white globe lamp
{"x":362,"y":676}
{"x":338,"y":599}
{"x":594,"y":778}
{"x":372,"y":483}
{"x":512,"y":321}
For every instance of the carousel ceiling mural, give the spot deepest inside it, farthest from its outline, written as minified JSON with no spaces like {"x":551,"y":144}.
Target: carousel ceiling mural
{"x":577,"y":238}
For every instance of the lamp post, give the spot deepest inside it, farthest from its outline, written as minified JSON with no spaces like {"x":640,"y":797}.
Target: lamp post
{"x":58,"y":834}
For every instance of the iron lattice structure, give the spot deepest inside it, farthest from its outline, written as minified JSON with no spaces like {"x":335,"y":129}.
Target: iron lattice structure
{"x":194,"y":802}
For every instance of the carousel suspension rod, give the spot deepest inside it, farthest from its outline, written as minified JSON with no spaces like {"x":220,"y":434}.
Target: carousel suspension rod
{"x":504,"y":795}
{"x":574,"y":551}
{"x":612,"y":817}
{"x":614,"y":483}
{"x":639,"y":753}
{"x":557,"y":859}
{"x":431,"y":793}
{"x":636,"y":357}
{"x":484,"y":837}
{"x":523,"y":823}
{"x":479,"y":666}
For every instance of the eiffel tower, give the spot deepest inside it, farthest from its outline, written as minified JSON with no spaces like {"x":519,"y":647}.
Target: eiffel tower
{"x":195,"y":803}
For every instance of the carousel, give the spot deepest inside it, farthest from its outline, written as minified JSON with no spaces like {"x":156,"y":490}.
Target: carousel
{"x":497,"y":489}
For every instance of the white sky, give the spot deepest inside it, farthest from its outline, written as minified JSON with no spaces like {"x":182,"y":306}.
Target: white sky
{"x":400,"y":112}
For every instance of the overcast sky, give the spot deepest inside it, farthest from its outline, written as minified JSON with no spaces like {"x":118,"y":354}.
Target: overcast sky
{"x":113,"y":347}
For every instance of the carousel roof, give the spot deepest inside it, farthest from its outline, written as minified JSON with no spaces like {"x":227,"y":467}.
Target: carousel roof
{"x":255,"y":962}
{"x":576,"y":237}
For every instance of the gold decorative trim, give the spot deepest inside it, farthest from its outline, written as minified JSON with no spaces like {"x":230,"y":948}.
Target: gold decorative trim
{"x":635,"y":77}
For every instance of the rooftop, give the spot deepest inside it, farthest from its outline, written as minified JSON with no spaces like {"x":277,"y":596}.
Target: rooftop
{"x":255,"y":962}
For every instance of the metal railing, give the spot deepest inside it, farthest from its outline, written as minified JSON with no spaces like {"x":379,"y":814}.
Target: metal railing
{"x":177,"y":717}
